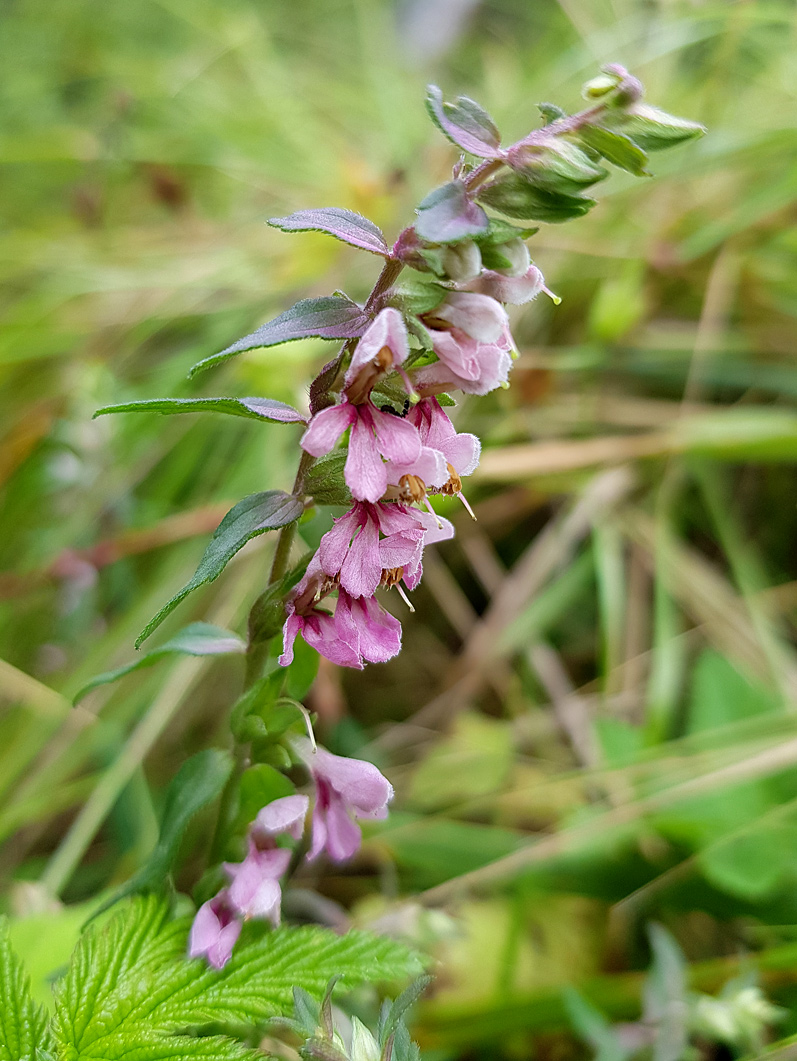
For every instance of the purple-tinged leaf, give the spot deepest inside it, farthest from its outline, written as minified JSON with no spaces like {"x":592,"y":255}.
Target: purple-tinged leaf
{"x":447,"y":215}
{"x":253,"y":515}
{"x":465,"y":123}
{"x":197,"y":639}
{"x":344,"y":225}
{"x":253,"y":408}
{"x":331,"y":317}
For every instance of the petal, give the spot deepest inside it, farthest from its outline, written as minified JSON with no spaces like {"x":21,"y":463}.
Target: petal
{"x":336,"y":542}
{"x":205,"y":930}
{"x":515,"y":290}
{"x":398,"y":550}
{"x":326,"y":428}
{"x":362,"y":569}
{"x":358,"y":782}
{"x":221,"y":951}
{"x":319,"y":832}
{"x":343,"y":836}
{"x":320,"y":632}
{"x":479,"y":316}
{"x":292,"y":627}
{"x":462,"y":452}
{"x":364,"y":472}
{"x":284,"y":815}
{"x":458,"y":351}
{"x":388,"y":330}
{"x":429,"y":465}
{"x":398,"y":439}
{"x":379,"y":642}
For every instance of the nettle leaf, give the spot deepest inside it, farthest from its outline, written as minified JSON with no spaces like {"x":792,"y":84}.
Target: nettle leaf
{"x":447,"y":215}
{"x":198,"y":782}
{"x":616,"y":148}
{"x":345,"y":225}
{"x":23,"y":1024}
{"x":254,"y":515}
{"x":330,"y":317}
{"x":196,"y":639}
{"x":253,"y":408}
{"x":652,"y":129}
{"x":130,"y":988}
{"x":514,"y":196}
{"x":465,"y":123}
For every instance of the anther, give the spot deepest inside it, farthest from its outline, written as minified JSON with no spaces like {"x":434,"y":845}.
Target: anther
{"x":413,"y":488}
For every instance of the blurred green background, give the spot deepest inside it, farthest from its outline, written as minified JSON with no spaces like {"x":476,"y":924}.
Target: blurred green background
{"x":592,"y":724}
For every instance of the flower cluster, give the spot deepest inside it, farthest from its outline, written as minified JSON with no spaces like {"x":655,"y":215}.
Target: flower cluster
{"x":345,"y":789}
{"x":396,"y":459}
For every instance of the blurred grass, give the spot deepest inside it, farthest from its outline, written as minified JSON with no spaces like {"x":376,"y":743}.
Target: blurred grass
{"x":599,"y":685}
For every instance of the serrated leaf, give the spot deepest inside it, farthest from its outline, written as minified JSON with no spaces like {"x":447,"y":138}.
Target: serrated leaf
{"x":129,"y":982}
{"x":23,"y":1024}
{"x":517,"y":197}
{"x":330,"y":317}
{"x":616,"y":148}
{"x":465,"y":123}
{"x":345,"y":225}
{"x":252,"y":516}
{"x":652,"y":129}
{"x":198,"y":782}
{"x":447,"y":215}
{"x":253,"y":408}
{"x":196,"y":639}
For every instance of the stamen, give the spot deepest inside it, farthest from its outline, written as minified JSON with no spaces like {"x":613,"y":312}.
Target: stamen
{"x":404,"y":597}
{"x":554,"y":298}
{"x":470,"y":511}
{"x":428,"y":505}
{"x":411,"y":391}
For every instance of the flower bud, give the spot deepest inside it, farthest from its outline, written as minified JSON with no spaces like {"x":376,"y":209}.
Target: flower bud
{"x":462,"y":261}
{"x":599,"y":86}
{"x":517,"y":254}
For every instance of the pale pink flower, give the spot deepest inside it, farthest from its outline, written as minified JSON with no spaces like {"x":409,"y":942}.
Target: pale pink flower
{"x":354,"y":553}
{"x":460,"y":450}
{"x":254,"y":890}
{"x":514,"y":290}
{"x":283,"y":815}
{"x":346,"y":789}
{"x":215,"y":931}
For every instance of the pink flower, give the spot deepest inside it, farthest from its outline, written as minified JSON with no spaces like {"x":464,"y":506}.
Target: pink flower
{"x":378,"y":632}
{"x":460,"y":450}
{"x":477,"y":315}
{"x":472,"y":367}
{"x":436,"y":529}
{"x":345,"y":789}
{"x":215,"y":931}
{"x":284,"y":815}
{"x":374,"y":435}
{"x":353,"y":552}
{"x":255,"y":889}
{"x":383,"y":348}
{"x":514,"y":290}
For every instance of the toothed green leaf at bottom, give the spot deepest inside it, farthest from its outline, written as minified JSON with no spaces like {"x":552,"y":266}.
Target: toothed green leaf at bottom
{"x":23,"y":1024}
{"x":252,"y":516}
{"x":129,"y":981}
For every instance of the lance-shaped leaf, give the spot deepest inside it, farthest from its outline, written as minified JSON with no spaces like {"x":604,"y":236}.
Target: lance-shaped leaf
{"x":254,"y":515}
{"x":344,"y":225}
{"x":197,"y":639}
{"x":465,"y":123}
{"x":330,"y":317}
{"x":253,"y":408}
{"x":447,"y":215}
{"x":198,"y":782}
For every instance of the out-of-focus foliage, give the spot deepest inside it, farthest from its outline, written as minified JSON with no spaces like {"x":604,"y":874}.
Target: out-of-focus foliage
{"x":592,"y":724}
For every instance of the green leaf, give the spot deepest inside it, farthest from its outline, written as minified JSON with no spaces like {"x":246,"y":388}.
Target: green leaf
{"x":260,"y":785}
{"x":345,"y":225}
{"x":252,"y":408}
{"x":514,"y":196}
{"x":501,"y":231}
{"x":465,"y":123}
{"x":252,"y":516}
{"x":594,"y":1028}
{"x":196,"y":639}
{"x":324,"y":481}
{"x":652,"y":129}
{"x":198,"y":782}
{"x":129,"y":986}
{"x":550,"y":112}
{"x":447,"y":215}
{"x":331,"y":317}
{"x":23,"y":1024}
{"x":616,"y":148}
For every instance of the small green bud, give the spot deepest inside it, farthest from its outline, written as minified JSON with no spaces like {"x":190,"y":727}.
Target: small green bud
{"x":517,"y":255}
{"x":599,"y":86}
{"x":462,"y":261}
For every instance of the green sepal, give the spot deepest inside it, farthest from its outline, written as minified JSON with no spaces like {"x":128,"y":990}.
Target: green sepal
{"x":501,"y":231}
{"x":414,"y":295}
{"x":517,"y":197}
{"x":324,"y":481}
{"x":256,"y":703}
{"x":558,"y":166}
{"x":650,"y":128}
{"x":616,"y":148}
